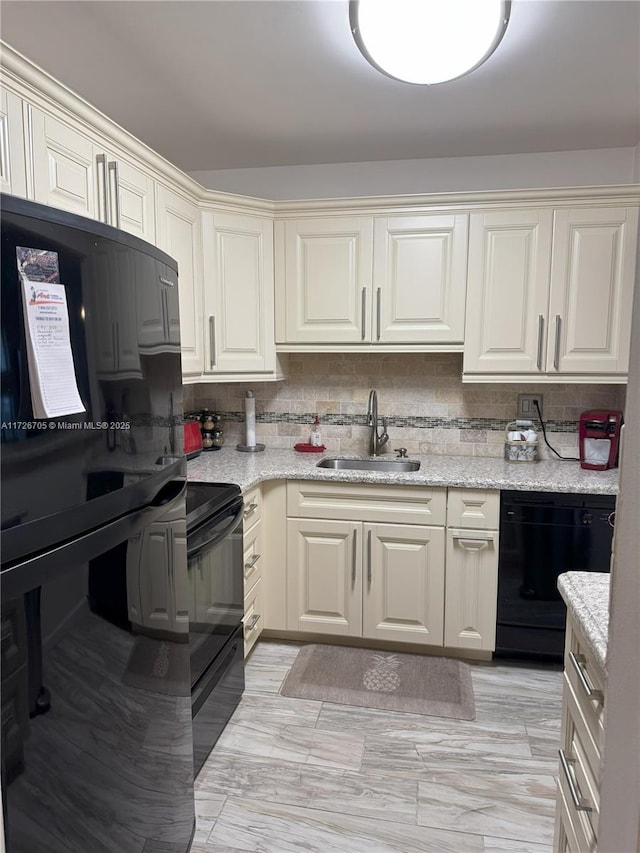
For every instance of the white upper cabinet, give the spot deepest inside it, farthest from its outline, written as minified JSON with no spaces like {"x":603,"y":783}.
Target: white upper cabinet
{"x":180,"y":236}
{"x":371,"y":280}
{"x":324,"y":278}
{"x":591,"y":298}
{"x":419,"y":279}
{"x":550,"y":293}
{"x":238,"y":294}
{"x":78,"y":173}
{"x":64,"y":166}
{"x":127,"y":195}
{"x":507,"y":291}
{"x":13,"y":174}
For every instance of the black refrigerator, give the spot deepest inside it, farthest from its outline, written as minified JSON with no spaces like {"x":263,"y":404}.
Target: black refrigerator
{"x":96,"y":750}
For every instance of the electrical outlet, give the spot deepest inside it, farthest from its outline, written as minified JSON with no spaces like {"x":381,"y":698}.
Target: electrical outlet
{"x":526,"y":406}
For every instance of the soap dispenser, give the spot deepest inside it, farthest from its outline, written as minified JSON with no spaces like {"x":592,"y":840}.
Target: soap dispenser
{"x":315,"y":438}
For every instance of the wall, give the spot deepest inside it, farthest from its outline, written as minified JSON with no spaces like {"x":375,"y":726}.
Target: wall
{"x":428,"y":408}
{"x":453,"y":174}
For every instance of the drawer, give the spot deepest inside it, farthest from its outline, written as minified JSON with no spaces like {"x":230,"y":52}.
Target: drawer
{"x":252,"y":556}
{"x":474,"y":509}
{"x":253,"y":616}
{"x":577,"y":777}
{"x":365,"y":502}
{"x":252,"y":507}
{"x":566,"y":840}
{"x":586,"y":680}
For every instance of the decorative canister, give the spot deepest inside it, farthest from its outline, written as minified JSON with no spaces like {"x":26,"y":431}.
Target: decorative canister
{"x":520,"y":442}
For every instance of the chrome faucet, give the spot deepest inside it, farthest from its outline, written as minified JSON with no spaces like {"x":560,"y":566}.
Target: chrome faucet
{"x":376,"y":441}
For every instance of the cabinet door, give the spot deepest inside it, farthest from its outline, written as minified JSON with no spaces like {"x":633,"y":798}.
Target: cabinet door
{"x":592,"y":280}
{"x":239,"y":293}
{"x":508,"y":290}
{"x":324,"y":583}
{"x":179,"y":235}
{"x":327,"y":280}
{"x":131,"y":198}
{"x":419,"y":279}
{"x":471,"y":589}
{"x":64,"y":166}
{"x":13,"y":173}
{"x":403,"y":583}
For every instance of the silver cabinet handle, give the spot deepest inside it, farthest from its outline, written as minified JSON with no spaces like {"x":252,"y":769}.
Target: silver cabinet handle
{"x":251,"y":625}
{"x":556,"y":351}
{"x":250,"y":510}
{"x":579,"y":802}
{"x":101,"y":163}
{"x":353,"y":557}
{"x":378,"y":298}
{"x":467,"y":536}
{"x":114,"y":192}
{"x":369,"y":558}
{"x":578,"y":662}
{"x":251,"y":563}
{"x":212,"y":342}
{"x":540,"y":337}
{"x":363,"y":315}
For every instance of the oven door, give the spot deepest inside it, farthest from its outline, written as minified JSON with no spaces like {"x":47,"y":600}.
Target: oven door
{"x":216,"y":595}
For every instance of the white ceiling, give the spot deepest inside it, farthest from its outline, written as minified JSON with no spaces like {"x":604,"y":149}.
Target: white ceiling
{"x":230,"y":84}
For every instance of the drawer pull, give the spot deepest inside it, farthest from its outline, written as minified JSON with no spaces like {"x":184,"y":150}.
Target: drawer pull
{"x":252,"y":624}
{"x":578,"y":662}
{"x":250,"y":510}
{"x":252,"y":561}
{"x":579,"y":802}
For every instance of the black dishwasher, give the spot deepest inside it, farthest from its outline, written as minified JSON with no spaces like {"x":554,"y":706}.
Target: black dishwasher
{"x":542,"y":535}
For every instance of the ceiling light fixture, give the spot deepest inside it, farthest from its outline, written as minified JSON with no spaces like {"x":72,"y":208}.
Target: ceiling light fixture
{"x":428,"y":41}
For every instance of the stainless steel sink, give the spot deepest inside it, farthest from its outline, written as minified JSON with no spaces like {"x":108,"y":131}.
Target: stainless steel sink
{"x":369,"y":464}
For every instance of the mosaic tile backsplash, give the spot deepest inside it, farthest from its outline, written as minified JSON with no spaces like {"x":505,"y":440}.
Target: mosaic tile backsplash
{"x":421,"y":396}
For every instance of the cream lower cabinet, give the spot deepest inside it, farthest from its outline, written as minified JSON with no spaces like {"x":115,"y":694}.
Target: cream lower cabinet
{"x":359,"y":578}
{"x":582,"y":740}
{"x":253,"y":562}
{"x":472,"y":569}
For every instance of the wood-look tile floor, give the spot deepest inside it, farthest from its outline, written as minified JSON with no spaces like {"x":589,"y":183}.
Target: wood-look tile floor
{"x":292,"y":775}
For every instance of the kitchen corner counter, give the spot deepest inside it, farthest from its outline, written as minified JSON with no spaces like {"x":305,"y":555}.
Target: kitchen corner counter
{"x":250,"y":469}
{"x":586,"y":595}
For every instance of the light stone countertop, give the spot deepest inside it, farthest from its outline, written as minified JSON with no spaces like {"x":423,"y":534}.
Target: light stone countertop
{"x":229,"y":465}
{"x":586,"y":595}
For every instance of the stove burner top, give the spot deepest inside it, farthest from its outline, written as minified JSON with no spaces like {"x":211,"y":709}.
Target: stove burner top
{"x":207,"y":499}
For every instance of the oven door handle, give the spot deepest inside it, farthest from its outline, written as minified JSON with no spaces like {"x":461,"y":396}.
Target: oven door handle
{"x":218,"y":536}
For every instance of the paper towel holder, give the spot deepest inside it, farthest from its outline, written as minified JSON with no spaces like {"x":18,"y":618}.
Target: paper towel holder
{"x":251,"y":426}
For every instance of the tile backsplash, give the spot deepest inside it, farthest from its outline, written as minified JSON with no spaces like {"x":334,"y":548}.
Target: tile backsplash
{"x":421,"y":396}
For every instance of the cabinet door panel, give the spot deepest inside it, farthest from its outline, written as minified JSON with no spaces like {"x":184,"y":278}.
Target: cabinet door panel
{"x":508,"y":288}
{"x":420,"y":276}
{"x":324,"y":581}
{"x":471,"y":589}
{"x":154,"y":577}
{"x":240,"y":295}
{"x":13,"y":174}
{"x":592,"y":283}
{"x":63,"y":166}
{"x":179,"y":235}
{"x":136,"y":200}
{"x":403,"y":578}
{"x":328,"y":270}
